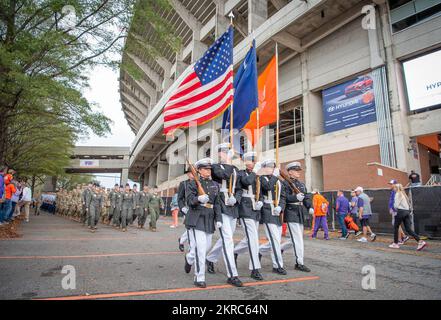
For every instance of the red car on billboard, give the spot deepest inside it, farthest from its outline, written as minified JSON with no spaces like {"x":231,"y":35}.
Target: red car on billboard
{"x":359,"y":86}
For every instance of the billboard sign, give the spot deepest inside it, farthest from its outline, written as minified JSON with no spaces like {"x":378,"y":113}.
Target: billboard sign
{"x":349,"y":104}
{"x":423,"y":81}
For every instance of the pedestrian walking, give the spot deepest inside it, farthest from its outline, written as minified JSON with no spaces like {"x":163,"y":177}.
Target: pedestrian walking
{"x":342,"y":208}
{"x":143,"y":206}
{"x":403,"y":207}
{"x":26,"y":199}
{"x":364,"y":214}
{"x":174,"y":210}
{"x":320,"y":205}
{"x":393,"y":212}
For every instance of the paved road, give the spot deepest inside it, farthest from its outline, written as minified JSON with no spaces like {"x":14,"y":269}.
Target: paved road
{"x":144,"y":265}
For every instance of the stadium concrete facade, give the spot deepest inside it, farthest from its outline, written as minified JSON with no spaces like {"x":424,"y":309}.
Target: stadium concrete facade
{"x":333,"y":55}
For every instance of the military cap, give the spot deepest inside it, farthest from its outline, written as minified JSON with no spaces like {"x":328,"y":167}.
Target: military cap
{"x":249,"y":156}
{"x":269,"y":163}
{"x":204,"y":163}
{"x":294,"y":166}
{"x":223,"y":147}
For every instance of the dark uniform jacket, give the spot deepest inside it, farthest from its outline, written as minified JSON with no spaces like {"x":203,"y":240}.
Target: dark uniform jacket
{"x":182,"y":195}
{"x":268,"y":184}
{"x":245,"y":180}
{"x":295,"y":210}
{"x":221,"y":172}
{"x":116,"y":199}
{"x":200,"y":217}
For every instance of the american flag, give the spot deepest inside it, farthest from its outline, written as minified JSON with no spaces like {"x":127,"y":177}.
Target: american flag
{"x":207,"y":91}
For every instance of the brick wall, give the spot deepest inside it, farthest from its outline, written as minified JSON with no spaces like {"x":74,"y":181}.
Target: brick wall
{"x":358,"y":167}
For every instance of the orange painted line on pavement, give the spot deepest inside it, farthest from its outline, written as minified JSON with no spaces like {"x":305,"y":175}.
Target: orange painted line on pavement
{"x":178,"y":290}
{"x":71,"y":239}
{"x":92,"y":255}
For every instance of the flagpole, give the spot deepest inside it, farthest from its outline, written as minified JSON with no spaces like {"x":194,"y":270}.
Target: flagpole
{"x":231,"y":16}
{"x":277,"y":105}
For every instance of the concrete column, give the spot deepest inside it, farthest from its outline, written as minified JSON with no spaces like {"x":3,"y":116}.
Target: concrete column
{"x":162,"y":173}
{"x":124,"y":176}
{"x":257,"y":13}
{"x":398,"y":104}
{"x":222,"y":22}
{"x":313,"y":126}
{"x":199,"y":47}
{"x":50,"y":184}
{"x":152,"y":176}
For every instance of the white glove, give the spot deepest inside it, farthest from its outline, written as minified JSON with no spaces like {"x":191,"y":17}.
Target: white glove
{"x":300,"y":196}
{"x":218,"y":224}
{"x":257,"y":167}
{"x":259,"y":205}
{"x":231,"y":201}
{"x":203,"y":199}
{"x":277,"y":211}
{"x":311,"y":211}
{"x":184,"y":210}
{"x":276,"y":172}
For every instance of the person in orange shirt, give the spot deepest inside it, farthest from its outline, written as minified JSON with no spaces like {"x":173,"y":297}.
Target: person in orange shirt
{"x":7,"y":204}
{"x":320,"y":205}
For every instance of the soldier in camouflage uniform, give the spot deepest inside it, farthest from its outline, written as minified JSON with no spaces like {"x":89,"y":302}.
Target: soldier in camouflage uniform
{"x":106,"y":199}
{"x":142,"y":206}
{"x":85,"y":198}
{"x":155,"y":205}
{"x":95,"y":205}
{"x":127,"y":204}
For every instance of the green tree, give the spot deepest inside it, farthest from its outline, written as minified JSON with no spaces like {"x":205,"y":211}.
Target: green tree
{"x":46,"y":48}
{"x":70,"y":181}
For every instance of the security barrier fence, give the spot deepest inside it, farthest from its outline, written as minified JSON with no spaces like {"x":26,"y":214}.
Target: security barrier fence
{"x":426,"y":203}
{"x":426,"y":210}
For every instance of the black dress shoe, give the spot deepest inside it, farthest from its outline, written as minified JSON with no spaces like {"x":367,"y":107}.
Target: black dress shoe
{"x":235,"y":282}
{"x":200,"y":284}
{"x":235,"y":258}
{"x":210,"y":267}
{"x":187,"y":267}
{"x":302,"y":268}
{"x":255,"y":274}
{"x":280,"y":271}
{"x":181,"y":246}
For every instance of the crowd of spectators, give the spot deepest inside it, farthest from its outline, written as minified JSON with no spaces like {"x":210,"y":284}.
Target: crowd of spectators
{"x":15,"y":196}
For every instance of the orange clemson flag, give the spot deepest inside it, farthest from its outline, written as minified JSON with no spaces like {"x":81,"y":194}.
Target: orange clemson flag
{"x":267,"y":87}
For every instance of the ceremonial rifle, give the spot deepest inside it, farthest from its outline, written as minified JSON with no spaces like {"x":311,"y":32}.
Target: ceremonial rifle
{"x":201,"y":190}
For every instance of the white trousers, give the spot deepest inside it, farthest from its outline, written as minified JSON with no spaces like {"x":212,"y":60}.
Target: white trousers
{"x":250,"y":243}
{"x":296,"y":241}
{"x":274,"y":236}
{"x":225,"y":245}
{"x":184,"y":237}
{"x":200,"y":243}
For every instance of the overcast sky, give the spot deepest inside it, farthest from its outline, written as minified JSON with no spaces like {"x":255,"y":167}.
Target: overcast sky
{"x":104,"y":91}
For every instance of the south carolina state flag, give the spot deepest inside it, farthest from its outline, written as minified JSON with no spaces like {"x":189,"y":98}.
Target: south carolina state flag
{"x":245,"y":92}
